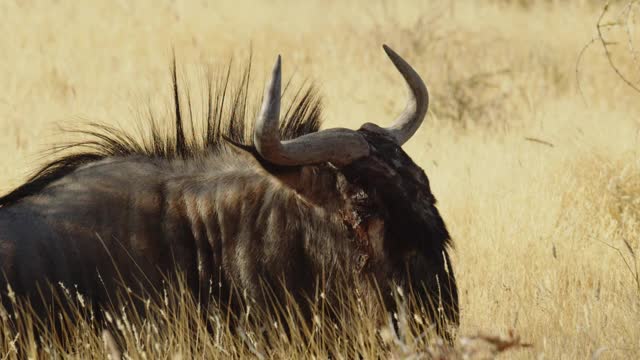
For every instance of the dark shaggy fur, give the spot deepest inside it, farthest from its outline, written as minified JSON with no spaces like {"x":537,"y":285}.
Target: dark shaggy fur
{"x":228,"y":117}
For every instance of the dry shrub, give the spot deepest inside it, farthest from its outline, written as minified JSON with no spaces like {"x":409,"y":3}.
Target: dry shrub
{"x":622,"y":198}
{"x":603,"y":209}
{"x":622,"y":195}
{"x":609,"y":191}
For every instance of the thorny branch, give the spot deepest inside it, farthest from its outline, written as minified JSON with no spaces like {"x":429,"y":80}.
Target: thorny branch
{"x":624,"y":19}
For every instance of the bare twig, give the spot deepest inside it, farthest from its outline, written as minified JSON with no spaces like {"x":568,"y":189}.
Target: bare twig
{"x":605,"y":45}
{"x":580,"y":56}
{"x":539,"y":141}
{"x":632,"y":49}
{"x":498,"y":344}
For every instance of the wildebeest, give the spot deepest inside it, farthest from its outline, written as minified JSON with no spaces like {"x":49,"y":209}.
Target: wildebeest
{"x":286,"y":206}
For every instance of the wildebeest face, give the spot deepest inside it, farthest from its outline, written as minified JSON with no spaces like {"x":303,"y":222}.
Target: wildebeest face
{"x":403,"y":222}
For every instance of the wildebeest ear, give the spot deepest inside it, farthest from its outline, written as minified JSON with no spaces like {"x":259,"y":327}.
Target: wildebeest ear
{"x":247,"y":148}
{"x":272,"y":168}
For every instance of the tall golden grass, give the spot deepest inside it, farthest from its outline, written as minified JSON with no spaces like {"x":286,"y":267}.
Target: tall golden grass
{"x":533,"y":154}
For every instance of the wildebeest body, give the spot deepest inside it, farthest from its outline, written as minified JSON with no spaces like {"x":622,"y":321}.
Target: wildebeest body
{"x":141,"y":219}
{"x":298,"y":215}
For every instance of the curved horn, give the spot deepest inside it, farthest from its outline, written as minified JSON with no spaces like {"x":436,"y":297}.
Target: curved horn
{"x":411,"y":118}
{"x":338,"y":146}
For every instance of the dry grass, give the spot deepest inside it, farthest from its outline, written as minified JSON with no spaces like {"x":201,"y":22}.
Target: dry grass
{"x":175,"y":327}
{"x":539,"y":181}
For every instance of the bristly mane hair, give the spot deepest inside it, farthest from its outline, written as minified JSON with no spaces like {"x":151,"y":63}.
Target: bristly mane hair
{"x":228,"y":116}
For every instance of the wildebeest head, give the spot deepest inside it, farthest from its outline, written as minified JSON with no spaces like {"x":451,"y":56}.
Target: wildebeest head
{"x":384,"y":197}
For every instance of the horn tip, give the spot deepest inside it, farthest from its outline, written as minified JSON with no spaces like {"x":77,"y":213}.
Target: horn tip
{"x":388,"y":50}
{"x":395,"y":58}
{"x":277,"y":65}
{"x":276,"y":73}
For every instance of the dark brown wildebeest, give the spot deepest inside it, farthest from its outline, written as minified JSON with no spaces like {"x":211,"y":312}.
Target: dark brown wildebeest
{"x":289,"y":207}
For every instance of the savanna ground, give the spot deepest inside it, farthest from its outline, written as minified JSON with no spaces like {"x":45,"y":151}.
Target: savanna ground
{"x":536,"y":165}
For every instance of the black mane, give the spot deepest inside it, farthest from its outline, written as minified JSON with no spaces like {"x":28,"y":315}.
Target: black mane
{"x":227,"y":116}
